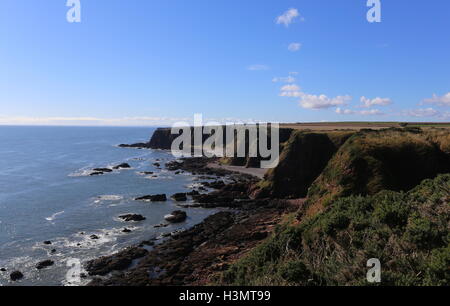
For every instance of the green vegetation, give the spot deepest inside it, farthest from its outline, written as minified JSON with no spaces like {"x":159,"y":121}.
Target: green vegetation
{"x":372,"y":161}
{"x":407,"y":231}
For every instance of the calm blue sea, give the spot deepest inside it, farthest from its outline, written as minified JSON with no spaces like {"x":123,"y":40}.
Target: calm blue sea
{"x":46,"y":194}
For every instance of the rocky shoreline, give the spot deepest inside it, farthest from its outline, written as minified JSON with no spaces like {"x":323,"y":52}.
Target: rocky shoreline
{"x":195,"y":255}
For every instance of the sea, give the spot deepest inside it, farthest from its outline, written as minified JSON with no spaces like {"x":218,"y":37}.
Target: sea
{"x":47,"y":194}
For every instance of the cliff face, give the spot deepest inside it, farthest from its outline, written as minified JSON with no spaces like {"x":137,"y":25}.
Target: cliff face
{"x":162,"y":139}
{"x":303,"y":158}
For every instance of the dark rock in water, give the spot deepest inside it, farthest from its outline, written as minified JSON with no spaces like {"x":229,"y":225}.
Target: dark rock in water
{"x":132,"y":217}
{"x":126,"y":230}
{"x":3,"y":270}
{"x":176,"y":216}
{"x":16,"y":275}
{"x":122,"y":166}
{"x":102,"y":170}
{"x":94,"y":237}
{"x":135,"y":145}
{"x":115,"y":262}
{"x":161,"y":225}
{"x":96,"y":173}
{"x":157,"y":165}
{"x":193,"y":193}
{"x":147,"y":172}
{"x":44,"y":264}
{"x":47,"y":242}
{"x":180,"y":197}
{"x":153,"y":198}
{"x":174,"y":165}
{"x":53,"y":251}
{"x":177,"y":172}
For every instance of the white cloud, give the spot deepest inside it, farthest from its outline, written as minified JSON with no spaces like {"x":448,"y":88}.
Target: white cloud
{"x":292,"y":94}
{"x":421,"y":112}
{"x":322,"y":101}
{"x":370,"y":112}
{"x":257,"y":67}
{"x":293,"y":47}
{"x":288,"y":17}
{"x":293,"y":73}
{"x":288,"y":79}
{"x":376,"y":101}
{"x":437,"y":100}
{"x":292,"y":87}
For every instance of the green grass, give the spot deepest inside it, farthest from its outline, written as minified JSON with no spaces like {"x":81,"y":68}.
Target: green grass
{"x":407,"y":231}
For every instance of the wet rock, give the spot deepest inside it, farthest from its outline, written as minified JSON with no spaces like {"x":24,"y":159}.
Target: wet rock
{"x":176,"y":216}
{"x":126,"y":230}
{"x":47,"y":242}
{"x":102,"y":170}
{"x":16,"y":275}
{"x":153,"y":198}
{"x":3,"y":270}
{"x":44,"y":264}
{"x":53,"y":251}
{"x":135,"y":145}
{"x":94,"y":237}
{"x":115,"y":262}
{"x":193,"y":193}
{"x":147,"y":172}
{"x":180,"y":197}
{"x":122,"y":166}
{"x":96,"y":173}
{"x":132,"y":217}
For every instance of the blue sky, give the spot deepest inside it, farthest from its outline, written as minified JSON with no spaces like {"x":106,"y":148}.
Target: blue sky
{"x":142,"y":62}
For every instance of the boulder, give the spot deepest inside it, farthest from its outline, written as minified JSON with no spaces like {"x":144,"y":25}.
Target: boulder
{"x":180,"y":197}
{"x":44,"y":264}
{"x":16,"y":275}
{"x":47,"y":242}
{"x":177,"y":216}
{"x":94,"y":237}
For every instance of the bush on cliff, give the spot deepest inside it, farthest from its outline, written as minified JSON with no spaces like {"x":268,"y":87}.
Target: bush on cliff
{"x":408,"y":232}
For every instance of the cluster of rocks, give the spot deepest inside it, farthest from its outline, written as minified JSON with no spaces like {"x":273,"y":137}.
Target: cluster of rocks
{"x":101,"y":171}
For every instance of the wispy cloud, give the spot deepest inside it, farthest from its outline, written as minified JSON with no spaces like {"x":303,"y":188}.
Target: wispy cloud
{"x":293,"y":47}
{"x":375,"y":102}
{"x":258,"y":67}
{"x":439,"y":100}
{"x":288,"y":79}
{"x":292,"y":87}
{"x":288,"y":17}
{"x":421,"y":112}
{"x":370,"y":112}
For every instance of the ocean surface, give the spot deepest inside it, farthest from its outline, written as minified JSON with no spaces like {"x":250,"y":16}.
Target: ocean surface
{"x":46,"y":193}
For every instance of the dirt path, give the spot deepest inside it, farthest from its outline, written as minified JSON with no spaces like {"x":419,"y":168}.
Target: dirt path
{"x":257,"y":172}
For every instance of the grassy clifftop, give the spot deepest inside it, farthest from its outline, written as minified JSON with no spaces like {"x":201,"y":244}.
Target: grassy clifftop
{"x":408,"y":232}
{"x":372,"y":161}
